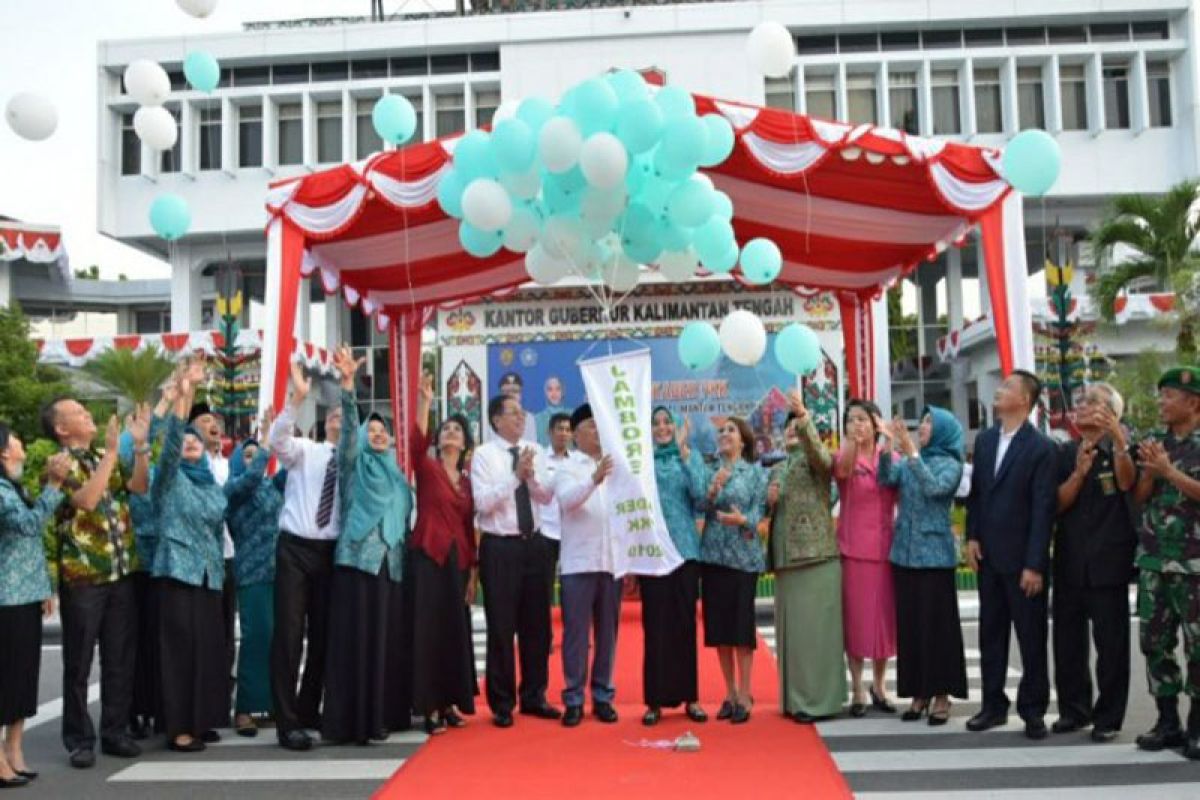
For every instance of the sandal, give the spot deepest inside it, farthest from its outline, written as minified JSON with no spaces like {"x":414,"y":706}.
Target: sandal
{"x":941,"y":716}
{"x":914,"y":713}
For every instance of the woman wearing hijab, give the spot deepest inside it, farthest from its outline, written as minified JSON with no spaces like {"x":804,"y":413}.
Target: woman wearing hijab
{"x":253,"y":519}
{"x":442,"y":552}
{"x":368,"y":568}
{"x":864,"y":530}
{"x":803,"y":552}
{"x":733,"y":557}
{"x":669,"y":601}
{"x":930,"y":663}
{"x":24,"y":596}
{"x":189,"y":567}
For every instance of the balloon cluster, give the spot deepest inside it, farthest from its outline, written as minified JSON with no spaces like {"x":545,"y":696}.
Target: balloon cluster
{"x":744,"y":339}
{"x":603,"y":182}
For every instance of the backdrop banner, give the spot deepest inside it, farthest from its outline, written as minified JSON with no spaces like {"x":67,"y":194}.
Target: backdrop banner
{"x":618,"y":389}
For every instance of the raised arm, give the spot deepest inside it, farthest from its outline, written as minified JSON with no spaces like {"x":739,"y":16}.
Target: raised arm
{"x":282,"y":436}
{"x":246,"y":484}
{"x":347,"y":449}
{"x":424,"y":404}
{"x":168,"y":461}
{"x":87,"y":496}
{"x":138,"y":429}
{"x":18,"y":519}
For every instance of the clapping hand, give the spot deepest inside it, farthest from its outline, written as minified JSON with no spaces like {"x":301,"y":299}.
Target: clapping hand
{"x":733,"y":517}
{"x":525,"y":465}
{"x":902,"y":437}
{"x":58,"y":467}
{"x":301,"y":383}
{"x":681,"y":439}
{"x":1153,"y":458}
{"x":719,"y":481}
{"x":1085,"y":458}
{"x":193,"y":373}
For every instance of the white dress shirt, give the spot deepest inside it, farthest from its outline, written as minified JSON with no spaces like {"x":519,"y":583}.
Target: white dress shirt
{"x":588,"y":542}
{"x":964,"y":485}
{"x":306,"y":462}
{"x":219,"y":466}
{"x":1002,"y":447}
{"x":551,"y":517}
{"x":494,"y":484}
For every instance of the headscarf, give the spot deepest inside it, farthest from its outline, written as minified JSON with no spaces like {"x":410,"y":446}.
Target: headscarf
{"x":670,"y":450}
{"x":378,"y":495}
{"x":199,"y":472}
{"x":945,"y":436}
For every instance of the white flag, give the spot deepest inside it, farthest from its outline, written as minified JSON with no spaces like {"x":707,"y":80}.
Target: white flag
{"x":618,"y":389}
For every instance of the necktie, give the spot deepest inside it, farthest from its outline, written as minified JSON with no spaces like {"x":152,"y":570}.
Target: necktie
{"x":524,"y":505}
{"x":328,"y":490}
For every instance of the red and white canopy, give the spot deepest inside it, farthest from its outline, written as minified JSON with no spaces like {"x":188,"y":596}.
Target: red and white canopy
{"x":39,"y":244}
{"x":852,"y":208}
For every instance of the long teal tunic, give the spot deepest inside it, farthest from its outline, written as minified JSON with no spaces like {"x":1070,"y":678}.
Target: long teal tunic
{"x":24,"y":575}
{"x":253,"y":517}
{"x":738,"y":548}
{"x":190,"y":521}
{"x":681,"y":495}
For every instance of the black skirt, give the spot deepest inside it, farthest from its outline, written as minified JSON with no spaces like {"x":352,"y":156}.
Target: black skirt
{"x":356,"y":667}
{"x":147,"y":683}
{"x":669,"y":633}
{"x":443,"y":651}
{"x":728,"y":607}
{"x":20,"y":661}
{"x":929,"y":643}
{"x":195,"y":683}
{"x":398,"y":686}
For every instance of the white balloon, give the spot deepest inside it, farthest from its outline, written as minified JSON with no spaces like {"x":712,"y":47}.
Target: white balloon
{"x":604,"y":161}
{"x":743,"y":337}
{"x":559,"y":143}
{"x":544,"y":268}
{"x":156,"y":127}
{"x":565,"y":238}
{"x":771,"y":49}
{"x":522,"y":185}
{"x":707,"y":181}
{"x":31,"y":116}
{"x":506,"y":110}
{"x":197,"y":8}
{"x":522,"y":230}
{"x":678,"y":266}
{"x":621,"y":274}
{"x":147,"y":82}
{"x":486,"y":205}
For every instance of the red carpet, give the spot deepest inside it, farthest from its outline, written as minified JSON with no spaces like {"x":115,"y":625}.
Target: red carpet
{"x":770,"y":756}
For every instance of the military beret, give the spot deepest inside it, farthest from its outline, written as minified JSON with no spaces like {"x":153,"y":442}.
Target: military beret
{"x":1185,"y":378}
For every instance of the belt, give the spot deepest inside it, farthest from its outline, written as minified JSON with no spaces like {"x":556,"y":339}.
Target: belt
{"x":521,"y":536}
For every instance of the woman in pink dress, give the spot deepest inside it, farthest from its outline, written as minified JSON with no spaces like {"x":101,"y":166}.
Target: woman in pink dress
{"x":865,"y":540}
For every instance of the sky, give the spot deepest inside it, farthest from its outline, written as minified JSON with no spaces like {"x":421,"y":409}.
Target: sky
{"x":49,"y":48}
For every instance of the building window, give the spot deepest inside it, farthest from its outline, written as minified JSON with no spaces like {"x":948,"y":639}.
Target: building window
{"x":900,"y":40}
{"x":329,"y":132}
{"x":284,"y":74}
{"x":984,"y":37}
{"x":448,"y":64}
{"x":210,"y":138}
{"x":1067,"y":34}
{"x":902,"y":102}
{"x":861,"y":97}
{"x":331,"y":71}
{"x":291,"y":134}
{"x":1151,"y":31}
{"x":820,"y":97}
{"x":131,"y":147}
{"x":1025,"y":36}
{"x":152,"y":321}
{"x":858,"y":43}
{"x":172,"y":160}
{"x":942,"y":40}
{"x":1031,"y":104}
{"x":408,"y":66}
{"x":1110,"y":32}
{"x":451,"y":114}
{"x":1116,"y":95}
{"x":252,"y":76}
{"x":779,"y":94}
{"x":250,"y":136}
{"x":486,"y":103}
{"x":989,"y":114}
{"x":366,"y":140}
{"x":485,"y":62}
{"x":369,"y":69}
{"x":1073,"y":88}
{"x":1158,"y":90}
{"x":947,"y":113}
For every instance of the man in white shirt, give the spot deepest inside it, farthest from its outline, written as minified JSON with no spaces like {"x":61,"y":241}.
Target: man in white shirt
{"x":510,"y":384}
{"x":308,"y":530}
{"x":507,"y":478}
{"x":561,"y":439}
{"x":591,"y":591}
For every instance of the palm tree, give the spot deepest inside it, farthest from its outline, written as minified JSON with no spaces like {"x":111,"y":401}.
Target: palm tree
{"x":1162,"y":233}
{"x":133,"y":375}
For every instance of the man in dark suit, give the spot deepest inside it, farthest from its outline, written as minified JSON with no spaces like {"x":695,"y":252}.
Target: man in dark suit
{"x":1009,"y":517}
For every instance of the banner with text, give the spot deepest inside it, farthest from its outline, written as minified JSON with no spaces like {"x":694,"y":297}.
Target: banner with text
{"x":618,"y":388}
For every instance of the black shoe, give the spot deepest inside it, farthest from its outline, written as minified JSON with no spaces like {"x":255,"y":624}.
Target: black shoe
{"x":1036,"y":728}
{"x":15,"y":782}
{"x":604,"y":712}
{"x":651,"y":717}
{"x":858,"y":710}
{"x":544,"y":711}
{"x":295,"y":740}
{"x":1104,"y":735}
{"x":1191,"y":748}
{"x":83,"y":758}
{"x":1167,"y":732}
{"x":805,"y":718}
{"x":27,"y":774}
{"x":985,"y":720}
{"x":573,"y":717}
{"x":725,"y":711}
{"x":741,"y":714}
{"x":121,"y":748}
{"x":194,"y":746}
{"x":1068,"y":725}
{"x":912,"y":713}
{"x":695,"y":713}
{"x":453,"y":719}
{"x":502,"y":719}
{"x":210,"y":737}
{"x":435,"y":725}
{"x":139,"y":729}
{"x":881,"y":703}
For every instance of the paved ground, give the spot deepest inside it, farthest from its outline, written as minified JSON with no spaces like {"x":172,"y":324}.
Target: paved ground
{"x":881,"y":756}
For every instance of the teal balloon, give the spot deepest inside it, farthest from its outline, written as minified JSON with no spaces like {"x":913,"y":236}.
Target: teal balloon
{"x":514,"y":145}
{"x":675,"y":102}
{"x":449,"y":193}
{"x":638,"y":228}
{"x":699,"y":346}
{"x":668,"y":169}
{"x":713,"y":239}
{"x":797,"y":349}
{"x":641,"y":169}
{"x":719,"y":142}
{"x":480,"y":244}
{"x":721,"y":263}
{"x":394,"y":118}
{"x":640,"y":125}
{"x":1032,"y":161}
{"x":628,"y":85}
{"x":202,"y":71}
{"x":594,"y":106}
{"x":761,"y":261}
{"x":560,"y":197}
{"x":690,"y":205}
{"x":722,"y":205}
{"x":654,"y":195}
{"x":474,"y":157}
{"x":683,"y":142}
{"x":534,"y":111}
{"x":671,"y":236}
{"x":170,"y":216}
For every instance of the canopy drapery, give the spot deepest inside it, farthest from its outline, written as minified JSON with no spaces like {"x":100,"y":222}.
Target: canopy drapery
{"x":852,"y":208}
{"x":37,"y":244}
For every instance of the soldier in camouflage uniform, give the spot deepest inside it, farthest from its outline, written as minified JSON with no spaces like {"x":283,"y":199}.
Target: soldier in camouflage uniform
{"x":1169,"y":559}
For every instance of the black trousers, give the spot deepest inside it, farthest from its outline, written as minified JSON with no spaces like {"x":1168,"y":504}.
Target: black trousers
{"x":1002,"y":605}
{"x":303,"y":574}
{"x":229,"y":615}
{"x":515,"y":602}
{"x":104,"y":614}
{"x":1107,"y":609}
{"x":194,"y":680}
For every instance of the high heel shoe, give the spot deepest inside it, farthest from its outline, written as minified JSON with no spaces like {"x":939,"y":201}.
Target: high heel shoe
{"x":434,"y":725}
{"x":15,"y":782}
{"x":940,"y":717}
{"x":725,"y":711}
{"x":454,"y":719}
{"x":881,"y":703}
{"x":912,"y":713}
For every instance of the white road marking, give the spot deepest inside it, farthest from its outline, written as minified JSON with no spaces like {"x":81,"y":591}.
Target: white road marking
{"x":176,"y":771}
{"x":998,"y":758}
